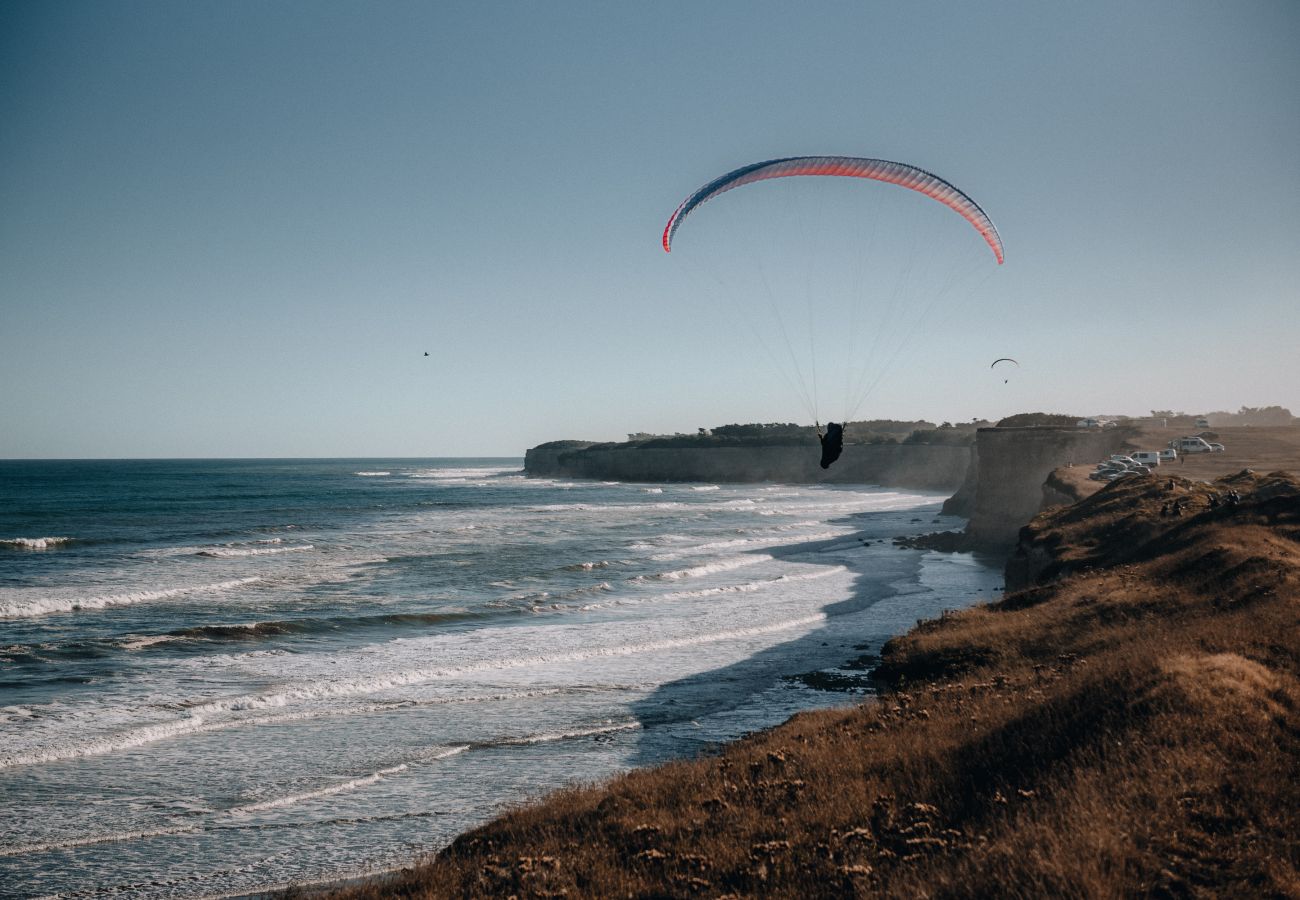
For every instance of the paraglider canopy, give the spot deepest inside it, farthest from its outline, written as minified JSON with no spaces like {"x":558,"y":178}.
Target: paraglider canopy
{"x":1005,"y":359}
{"x":897,"y":173}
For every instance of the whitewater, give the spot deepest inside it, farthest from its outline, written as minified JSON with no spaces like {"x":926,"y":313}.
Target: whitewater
{"x":219,"y":677}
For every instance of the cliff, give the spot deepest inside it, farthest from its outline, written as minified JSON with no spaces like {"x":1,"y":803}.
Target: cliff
{"x":1011,"y":466}
{"x":921,"y":466}
{"x":963,"y":502}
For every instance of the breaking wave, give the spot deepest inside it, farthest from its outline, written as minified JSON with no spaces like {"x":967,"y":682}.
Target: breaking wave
{"x":49,"y":605}
{"x":587,"y":566}
{"x":547,"y":737}
{"x":294,"y":799}
{"x":722,"y":565}
{"x":235,"y":552}
{"x":748,"y":586}
{"x":114,"y":837}
{"x":41,"y":543}
{"x":276,"y":628}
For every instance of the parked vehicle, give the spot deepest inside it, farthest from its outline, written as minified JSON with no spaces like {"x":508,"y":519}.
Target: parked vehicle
{"x":1202,"y":423}
{"x":1087,"y":423}
{"x":1147,"y":457}
{"x":1215,"y":447}
{"x":1191,"y":445}
{"x":1168,"y":455}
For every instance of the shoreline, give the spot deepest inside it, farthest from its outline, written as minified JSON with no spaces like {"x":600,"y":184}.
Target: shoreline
{"x":939,"y":794}
{"x":848,"y":680}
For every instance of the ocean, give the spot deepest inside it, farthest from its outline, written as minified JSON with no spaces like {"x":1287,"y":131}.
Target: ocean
{"x":230,"y":675}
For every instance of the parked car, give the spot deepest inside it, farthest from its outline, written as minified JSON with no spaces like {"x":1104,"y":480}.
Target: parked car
{"x":1147,"y":457}
{"x":1191,"y":445}
{"x":1119,"y":465}
{"x":1087,"y":423}
{"x":1168,"y":455}
{"x":1215,"y":447}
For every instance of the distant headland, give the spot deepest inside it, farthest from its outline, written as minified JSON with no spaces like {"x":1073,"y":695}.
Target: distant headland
{"x":999,"y":474}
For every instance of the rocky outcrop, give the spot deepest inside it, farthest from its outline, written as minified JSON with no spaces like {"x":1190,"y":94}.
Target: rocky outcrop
{"x":1134,"y":519}
{"x":921,"y":466}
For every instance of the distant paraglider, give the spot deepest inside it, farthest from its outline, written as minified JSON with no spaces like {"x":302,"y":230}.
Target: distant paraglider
{"x":1006,"y":359}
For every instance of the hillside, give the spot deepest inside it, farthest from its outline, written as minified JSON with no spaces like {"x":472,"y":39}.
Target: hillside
{"x":1123,"y":725}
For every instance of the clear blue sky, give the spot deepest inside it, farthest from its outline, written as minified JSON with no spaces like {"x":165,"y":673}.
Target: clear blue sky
{"x":233,"y":228}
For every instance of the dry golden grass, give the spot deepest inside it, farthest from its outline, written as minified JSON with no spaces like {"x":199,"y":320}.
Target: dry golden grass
{"x":1130,"y":728}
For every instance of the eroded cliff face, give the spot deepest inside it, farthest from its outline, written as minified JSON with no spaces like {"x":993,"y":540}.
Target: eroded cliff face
{"x":962,"y":502}
{"x":1012,"y":466}
{"x":920,"y":466}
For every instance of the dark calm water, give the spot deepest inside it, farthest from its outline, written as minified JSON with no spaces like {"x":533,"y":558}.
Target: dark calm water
{"x":217,"y":676}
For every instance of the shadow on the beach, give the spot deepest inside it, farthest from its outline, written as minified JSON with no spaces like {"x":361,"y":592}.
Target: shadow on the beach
{"x":670,"y":717}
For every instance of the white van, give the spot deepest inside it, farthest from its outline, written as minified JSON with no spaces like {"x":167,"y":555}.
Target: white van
{"x":1147,"y":457}
{"x":1168,"y":455}
{"x":1191,"y":445}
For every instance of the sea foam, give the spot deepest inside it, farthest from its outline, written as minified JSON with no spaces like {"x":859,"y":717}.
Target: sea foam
{"x":236,"y":552}
{"x":294,"y":799}
{"x":47,"y":605}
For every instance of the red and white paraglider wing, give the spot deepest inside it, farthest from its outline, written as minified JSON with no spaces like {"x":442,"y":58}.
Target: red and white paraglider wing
{"x":897,"y":173}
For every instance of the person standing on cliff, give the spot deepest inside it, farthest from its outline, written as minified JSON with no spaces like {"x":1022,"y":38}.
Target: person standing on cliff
{"x":832,"y":442}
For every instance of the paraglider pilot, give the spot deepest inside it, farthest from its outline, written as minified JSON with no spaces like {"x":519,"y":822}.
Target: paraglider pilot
{"x":832,"y":442}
